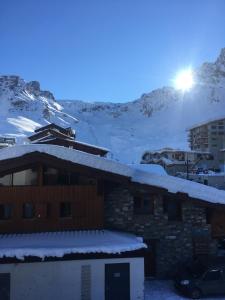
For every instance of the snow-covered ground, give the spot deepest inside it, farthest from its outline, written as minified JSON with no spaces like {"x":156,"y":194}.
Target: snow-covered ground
{"x":164,"y":290}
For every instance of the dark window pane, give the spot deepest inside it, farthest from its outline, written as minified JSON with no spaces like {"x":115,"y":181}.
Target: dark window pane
{"x":28,"y":210}
{"x":51,"y":176}
{"x":5,"y":211}
{"x":144,"y":204}
{"x":173,"y":209}
{"x":48,"y":210}
{"x":65,"y":210}
{"x":137,"y":203}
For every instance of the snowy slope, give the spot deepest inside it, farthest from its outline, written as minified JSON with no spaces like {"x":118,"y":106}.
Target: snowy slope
{"x":24,"y":107}
{"x":157,"y":119}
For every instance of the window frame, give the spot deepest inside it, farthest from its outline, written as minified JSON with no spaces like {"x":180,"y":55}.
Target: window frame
{"x":63,"y":215}
{"x":144,"y":209}
{"x":33,"y":211}
{"x":168,"y":200}
{"x":10,"y":205}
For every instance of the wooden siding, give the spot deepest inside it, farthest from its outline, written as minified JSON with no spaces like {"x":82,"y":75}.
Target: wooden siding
{"x":86,"y":203}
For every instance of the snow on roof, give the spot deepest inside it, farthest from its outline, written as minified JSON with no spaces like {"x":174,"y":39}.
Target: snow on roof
{"x":175,"y":185}
{"x":68,"y":154}
{"x":172,"y":150}
{"x":170,"y":183}
{"x":58,"y":244}
{"x":150,"y":168}
{"x":50,"y":137}
{"x":206,"y":122}
{"x":91,"y":145}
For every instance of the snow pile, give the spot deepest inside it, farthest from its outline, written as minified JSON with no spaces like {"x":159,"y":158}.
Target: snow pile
{"x":170,"y":183}
{"x":58,"y":244}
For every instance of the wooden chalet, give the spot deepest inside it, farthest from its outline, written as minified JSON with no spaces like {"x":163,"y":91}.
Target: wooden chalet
{"x":55,"y":135}
{"x":80,"y":213}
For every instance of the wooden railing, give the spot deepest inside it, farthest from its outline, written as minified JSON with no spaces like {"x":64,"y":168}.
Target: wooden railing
{"x":86,"y":208}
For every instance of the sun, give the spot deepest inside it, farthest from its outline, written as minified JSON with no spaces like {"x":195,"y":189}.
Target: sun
{"x":184,"y":80}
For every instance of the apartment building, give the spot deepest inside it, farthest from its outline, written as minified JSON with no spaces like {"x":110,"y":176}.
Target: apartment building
{"x":210,"y":137}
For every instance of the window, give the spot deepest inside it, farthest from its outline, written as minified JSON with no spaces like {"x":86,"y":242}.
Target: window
{"x":213,"y":275}
{"x":51,"y":176}
{"x":25,"y":177}
{"x":65,"y":210}
{"x":6,"y":180}
{"x":54,"y":176}
{"x":143,"y":204}
{"x":205,"y":182}
{"x":5,"y":211}
{"x":172,"y":208}
{"x":28,"y":210}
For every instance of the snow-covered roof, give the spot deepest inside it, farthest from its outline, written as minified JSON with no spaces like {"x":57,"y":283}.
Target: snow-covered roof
{"x":206,"y":122}
{"x":51,"y":137}
{"x":91,"y":145}
{"x":170,"y":183}
{"x":172,"y":150}
{"x":150,"y":168}
{"x":58,"y":244}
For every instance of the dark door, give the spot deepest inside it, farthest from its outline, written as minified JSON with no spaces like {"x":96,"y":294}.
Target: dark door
{"x":4,"y":286}
{"x":149,"y":258}
{"x":117,"y":281}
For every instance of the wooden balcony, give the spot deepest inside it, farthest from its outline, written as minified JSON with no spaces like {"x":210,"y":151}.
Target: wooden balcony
{"x":86,"y":208}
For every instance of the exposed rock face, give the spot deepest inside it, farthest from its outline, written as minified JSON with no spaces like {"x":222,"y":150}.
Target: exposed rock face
{"x":24,"y":106}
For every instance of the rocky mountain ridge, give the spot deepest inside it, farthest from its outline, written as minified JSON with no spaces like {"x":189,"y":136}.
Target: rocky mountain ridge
{"x":157,"y":119}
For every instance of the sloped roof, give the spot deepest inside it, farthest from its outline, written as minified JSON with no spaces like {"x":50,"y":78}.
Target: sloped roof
{"x":172,"y":184}
{"x":206,"y":122}
{"x":58,"y":244}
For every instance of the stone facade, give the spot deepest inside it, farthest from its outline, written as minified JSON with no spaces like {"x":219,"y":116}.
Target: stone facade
{"x":174,"y":239}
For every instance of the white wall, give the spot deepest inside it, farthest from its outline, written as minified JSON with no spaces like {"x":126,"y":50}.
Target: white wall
{"x":62,"y":280}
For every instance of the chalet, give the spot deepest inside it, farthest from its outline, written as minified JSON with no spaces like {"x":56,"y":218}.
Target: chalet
{"x":71,"y":224}
{"x":53,"y":134}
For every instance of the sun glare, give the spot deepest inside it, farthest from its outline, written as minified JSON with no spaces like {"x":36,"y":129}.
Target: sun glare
{"x":184,"y":80}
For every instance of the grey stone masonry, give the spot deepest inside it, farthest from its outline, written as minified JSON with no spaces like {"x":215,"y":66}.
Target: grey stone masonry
{"x":174,"y":238}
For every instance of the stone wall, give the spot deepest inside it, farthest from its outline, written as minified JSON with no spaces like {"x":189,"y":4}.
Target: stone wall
{"x":174,"y":238}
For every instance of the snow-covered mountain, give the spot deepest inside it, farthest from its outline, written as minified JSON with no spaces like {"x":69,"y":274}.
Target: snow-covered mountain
{"x":157,"y":119}
{"x":24,"y":107}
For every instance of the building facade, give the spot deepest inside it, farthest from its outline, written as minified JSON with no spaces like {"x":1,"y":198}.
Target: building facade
{"x":69,"y":214}
{"x":209,"y":136}
{"x":176,"y":160}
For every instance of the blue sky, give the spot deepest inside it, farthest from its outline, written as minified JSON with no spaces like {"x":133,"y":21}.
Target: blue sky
{"x":107,"y":50}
